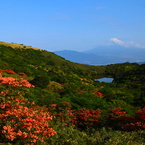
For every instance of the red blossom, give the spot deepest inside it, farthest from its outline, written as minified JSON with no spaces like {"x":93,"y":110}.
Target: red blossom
{"x":15,"y":82}
{"x":115,"y":113}
{"x":98,"y":94}
{"x":23,"y":74}
{"x":25,"y":123}
{"x":9,"y":71}
{"x":80,"y":91}
{"x":4,"y":93}
{"x":85,"y":118}
{"x":135,"y":122}
{"x":53,"y":105}
{"x":5,"y":64}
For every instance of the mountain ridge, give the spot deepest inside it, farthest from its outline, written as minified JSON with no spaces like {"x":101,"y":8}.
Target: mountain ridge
{"x":104,"y":55}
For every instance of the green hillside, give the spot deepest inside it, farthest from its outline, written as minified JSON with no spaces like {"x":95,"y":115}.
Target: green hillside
{"x":17,"y":54}
{"x":16,"y":45}
{"x":45,"y":99}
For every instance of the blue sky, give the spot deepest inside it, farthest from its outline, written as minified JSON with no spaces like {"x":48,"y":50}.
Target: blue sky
{"x":72,"y":24}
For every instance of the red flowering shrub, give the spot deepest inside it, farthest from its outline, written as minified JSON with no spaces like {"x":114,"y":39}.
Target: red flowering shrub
{"x":131,"y":124}
{"x":15,"y":82}
{"x":19,"y":123}
{"x":5,"y":64}
{"x":86,"y":118}
{"x":62,"y":113}
{"x":98,"y":94}
{"x":135,"y":122}
{"x":4,"y":93}
{"x":115,"y":118}
{"x":140,"y":115}
{"x":80,"y":91}
{"x":9,"y":71}
{"x":53,"y":105}
{"x":23,"y":74}
{"x":116,"y":113}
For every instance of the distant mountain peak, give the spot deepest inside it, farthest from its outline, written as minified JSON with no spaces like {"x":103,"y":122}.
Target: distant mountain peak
{"x":103,"y":55}
{"x":115,"y":41}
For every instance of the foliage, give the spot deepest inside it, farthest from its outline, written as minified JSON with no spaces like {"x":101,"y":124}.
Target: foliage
{"x":40,"y":81}
{"x":20,"y":123}
{"x":41,"y":92}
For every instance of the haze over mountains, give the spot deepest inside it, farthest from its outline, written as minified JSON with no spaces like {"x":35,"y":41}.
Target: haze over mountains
{"x":103,"y":55}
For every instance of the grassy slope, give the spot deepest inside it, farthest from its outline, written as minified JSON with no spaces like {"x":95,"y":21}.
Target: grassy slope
{"x":15,"y":45}
{"x":57,"y":60}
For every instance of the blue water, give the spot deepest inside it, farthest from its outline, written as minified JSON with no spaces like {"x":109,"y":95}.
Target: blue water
{"x":107,"y":80}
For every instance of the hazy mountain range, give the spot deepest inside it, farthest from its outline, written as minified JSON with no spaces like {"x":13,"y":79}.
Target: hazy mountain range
{"x":103,"y":55}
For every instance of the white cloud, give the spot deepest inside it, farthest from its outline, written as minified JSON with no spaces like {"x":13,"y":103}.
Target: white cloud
{"x":117,"y":41}
{"x":126,"y":44}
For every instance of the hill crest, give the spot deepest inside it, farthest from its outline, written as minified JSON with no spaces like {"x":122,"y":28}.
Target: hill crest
{"x":16,"y":45}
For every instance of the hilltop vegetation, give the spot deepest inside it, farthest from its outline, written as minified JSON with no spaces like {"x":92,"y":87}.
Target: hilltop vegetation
{"x":15,"y":46}
{"x":74,"y":109}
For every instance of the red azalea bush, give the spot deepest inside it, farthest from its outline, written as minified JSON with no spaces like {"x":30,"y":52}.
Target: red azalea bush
{"x":135,"y":122}
{"x":9,"y":71}
{"x":98,"y":94}
{"x":82,"y":118}
{"x":118,"y":119}
{"x":20,"y":123}
{"x":115,"y":113}
{"x":23,"y":74}
{"x":115,"y":118}
{"x":4,"y":93}
{"x":5,"y":64}
{"x":62,"y":112}
{"x":15,"y":82}
{"x":80,"y":91}
{"x":53,"y":105}
{"x":86,"y":118}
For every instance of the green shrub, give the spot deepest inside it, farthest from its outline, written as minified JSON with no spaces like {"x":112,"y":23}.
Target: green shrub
{"x":40,"y":81}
